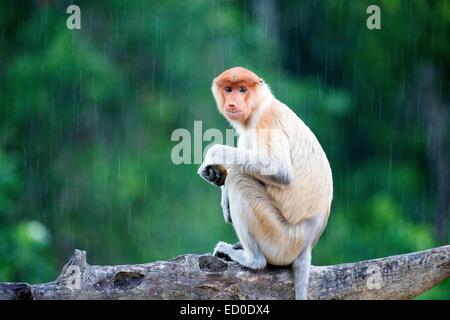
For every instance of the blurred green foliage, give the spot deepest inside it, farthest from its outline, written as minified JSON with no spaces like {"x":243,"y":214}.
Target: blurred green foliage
{"x":86,"y":118}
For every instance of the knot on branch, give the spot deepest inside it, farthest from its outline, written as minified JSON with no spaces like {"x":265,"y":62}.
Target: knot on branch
{"x":76,"y":265}
{"x":16,"y":291}
{"x":211,"y":264}
{"x":127,"y":279}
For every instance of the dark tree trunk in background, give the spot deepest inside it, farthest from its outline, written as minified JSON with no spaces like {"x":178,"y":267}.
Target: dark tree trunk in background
{"x":267,"y":16}
{"x":437,"y":123}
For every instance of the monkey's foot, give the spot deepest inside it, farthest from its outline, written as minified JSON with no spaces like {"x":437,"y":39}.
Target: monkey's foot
{"x":224,"y":256}
{"x":222,"y":251}
{"x":227,"y":252}
{"x":237,"y":246}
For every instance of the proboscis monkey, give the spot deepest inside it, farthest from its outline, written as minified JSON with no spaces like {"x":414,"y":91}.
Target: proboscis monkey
{"x":276,"y":184}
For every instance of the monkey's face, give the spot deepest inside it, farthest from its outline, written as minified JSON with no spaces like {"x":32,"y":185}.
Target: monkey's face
{"x":235,"y":90}
{"x":236,"y":106}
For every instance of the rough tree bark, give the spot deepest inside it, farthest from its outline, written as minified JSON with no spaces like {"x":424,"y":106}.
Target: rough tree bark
{"x":206,"y":277}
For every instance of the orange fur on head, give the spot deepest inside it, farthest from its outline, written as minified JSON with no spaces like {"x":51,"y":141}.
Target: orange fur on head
{"x":237,"y":75}
{"x":236,"y":105}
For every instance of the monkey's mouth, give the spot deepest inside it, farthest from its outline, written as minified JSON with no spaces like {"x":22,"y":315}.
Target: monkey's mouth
{"x":233,"y":115}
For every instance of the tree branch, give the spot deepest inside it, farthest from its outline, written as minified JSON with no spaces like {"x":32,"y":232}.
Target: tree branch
{"x":206,"y":277}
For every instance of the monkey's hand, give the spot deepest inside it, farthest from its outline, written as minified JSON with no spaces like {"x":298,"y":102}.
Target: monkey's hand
{"x":215,"y":174}
{"x":213,"y":168}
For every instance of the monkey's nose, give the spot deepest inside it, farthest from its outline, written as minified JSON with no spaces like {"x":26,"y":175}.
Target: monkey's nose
{"x":231,"y":105}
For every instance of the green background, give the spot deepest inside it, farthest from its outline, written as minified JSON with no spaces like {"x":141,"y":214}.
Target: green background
{"x":86,"y":118}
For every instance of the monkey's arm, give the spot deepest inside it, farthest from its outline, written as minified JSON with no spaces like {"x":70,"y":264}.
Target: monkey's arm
{"x":273,"y":167}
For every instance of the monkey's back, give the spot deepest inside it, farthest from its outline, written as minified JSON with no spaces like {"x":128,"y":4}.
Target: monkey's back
{"x":295,"y":214}
{"x":311,"y":191}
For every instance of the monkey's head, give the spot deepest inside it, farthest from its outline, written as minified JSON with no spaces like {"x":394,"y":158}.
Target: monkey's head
{"x":237,"y":92}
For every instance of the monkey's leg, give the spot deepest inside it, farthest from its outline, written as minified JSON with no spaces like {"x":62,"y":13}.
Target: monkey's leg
{"x":300,"y":269}
{"x":250,"y":255}
{"x":225,"y":204}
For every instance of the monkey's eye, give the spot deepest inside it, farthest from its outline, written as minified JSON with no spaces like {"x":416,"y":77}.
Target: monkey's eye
{"x":242,"y":89}
{"x":228,"y":89}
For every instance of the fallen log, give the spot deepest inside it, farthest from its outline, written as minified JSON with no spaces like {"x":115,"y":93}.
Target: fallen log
{"x":194,"y":276}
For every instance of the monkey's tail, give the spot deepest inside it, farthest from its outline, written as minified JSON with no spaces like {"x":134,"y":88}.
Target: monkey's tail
{"x":301,"y":269}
